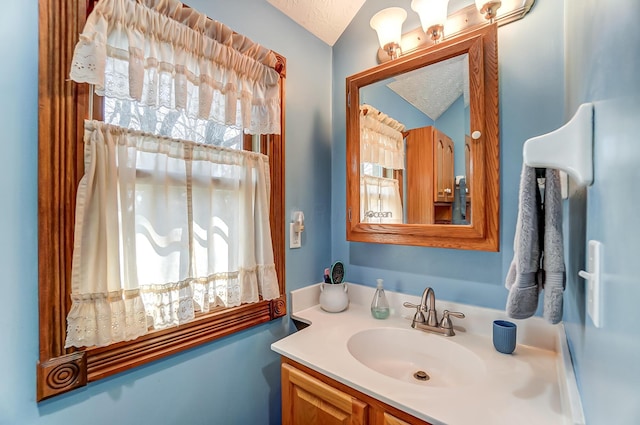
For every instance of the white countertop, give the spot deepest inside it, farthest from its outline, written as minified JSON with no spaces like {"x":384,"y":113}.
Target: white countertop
{"x":534,"y":385}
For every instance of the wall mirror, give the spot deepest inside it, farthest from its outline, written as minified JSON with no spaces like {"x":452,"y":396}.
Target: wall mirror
{"x":423,"y":147}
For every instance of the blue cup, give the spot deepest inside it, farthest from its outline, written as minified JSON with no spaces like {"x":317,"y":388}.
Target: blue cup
{"x":504,"y":336}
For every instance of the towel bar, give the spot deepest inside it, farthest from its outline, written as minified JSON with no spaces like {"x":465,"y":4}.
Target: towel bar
{"x":569,"y":148}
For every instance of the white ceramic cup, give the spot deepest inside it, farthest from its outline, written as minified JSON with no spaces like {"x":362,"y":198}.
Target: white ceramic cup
{"x":334,"y":297}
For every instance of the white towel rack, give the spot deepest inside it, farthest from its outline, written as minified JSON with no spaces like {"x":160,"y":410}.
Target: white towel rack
{"x":569,"y":148}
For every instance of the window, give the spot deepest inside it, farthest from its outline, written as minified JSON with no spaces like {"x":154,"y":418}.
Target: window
{"x":63,"y":108}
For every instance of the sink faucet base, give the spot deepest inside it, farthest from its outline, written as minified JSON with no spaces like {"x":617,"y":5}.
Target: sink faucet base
{"x":431,"y":323}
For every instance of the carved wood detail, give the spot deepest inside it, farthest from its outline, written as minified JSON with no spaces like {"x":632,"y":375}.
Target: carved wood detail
{"x":279,"y":307}
{"x":61,"y":374}
{"x":63,"y":106}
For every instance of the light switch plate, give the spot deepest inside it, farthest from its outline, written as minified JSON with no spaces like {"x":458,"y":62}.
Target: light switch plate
{"x":594,"y":282}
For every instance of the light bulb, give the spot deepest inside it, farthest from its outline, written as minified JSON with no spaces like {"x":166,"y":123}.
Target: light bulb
{"x":433,"y":16}
{"x":388,"y":25}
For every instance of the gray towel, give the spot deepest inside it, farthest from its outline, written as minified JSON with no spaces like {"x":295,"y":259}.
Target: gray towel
{"x":553,"y":259}
{"x":521,"y":280}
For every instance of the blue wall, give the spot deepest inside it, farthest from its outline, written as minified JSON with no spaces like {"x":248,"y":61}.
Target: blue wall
{"x":454,"y":123}
{"x":531,"y":103}
{"x":602,"y":62}
{"x":232,"y":381}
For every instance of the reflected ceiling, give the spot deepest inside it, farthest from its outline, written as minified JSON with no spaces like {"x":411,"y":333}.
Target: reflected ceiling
{"x":434,"y":88}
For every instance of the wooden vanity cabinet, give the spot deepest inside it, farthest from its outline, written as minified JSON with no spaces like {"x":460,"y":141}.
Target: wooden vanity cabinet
{"x":310,"y":398}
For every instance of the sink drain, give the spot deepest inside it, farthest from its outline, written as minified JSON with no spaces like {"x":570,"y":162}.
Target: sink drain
{"x":421,"y":375}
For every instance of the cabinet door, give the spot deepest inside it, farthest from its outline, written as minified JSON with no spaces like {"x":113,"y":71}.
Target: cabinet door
{"x":418,"y":199}
{"x":389,"y":419}
{"x":309,"y":401}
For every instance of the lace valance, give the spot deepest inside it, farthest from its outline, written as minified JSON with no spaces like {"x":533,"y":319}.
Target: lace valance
{"x":381,"y":139}
{"x":161,"y":54}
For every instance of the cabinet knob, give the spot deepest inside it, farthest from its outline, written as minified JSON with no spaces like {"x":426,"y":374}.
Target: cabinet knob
{"x":476,"y":135}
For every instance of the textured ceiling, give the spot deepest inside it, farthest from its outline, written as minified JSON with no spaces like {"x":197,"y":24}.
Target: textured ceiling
{"x":434,"y":88}
{"x":326,"y":19}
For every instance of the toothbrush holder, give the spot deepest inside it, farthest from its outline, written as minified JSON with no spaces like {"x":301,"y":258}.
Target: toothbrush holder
{"x":504,"y":336}
{"x":334,"y":297}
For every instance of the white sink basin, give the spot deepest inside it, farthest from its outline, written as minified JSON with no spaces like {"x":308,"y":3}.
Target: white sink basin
{"x":401,"y":353}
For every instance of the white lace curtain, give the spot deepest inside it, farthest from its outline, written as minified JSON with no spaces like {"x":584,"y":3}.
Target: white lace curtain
{"x":170,"y":123}
{"x":381,"y":140}
{"x":165,"y":228}
{"x":380,"y":200}
{"x":161,"y":54}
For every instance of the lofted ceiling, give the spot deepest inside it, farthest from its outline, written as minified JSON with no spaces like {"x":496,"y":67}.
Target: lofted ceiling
{"x":327,"y":19}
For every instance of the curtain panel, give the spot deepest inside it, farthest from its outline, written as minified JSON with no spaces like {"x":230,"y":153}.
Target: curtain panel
{"x":165,"y":228}
{"x":139,"y":51}
{"x":381,"y":139}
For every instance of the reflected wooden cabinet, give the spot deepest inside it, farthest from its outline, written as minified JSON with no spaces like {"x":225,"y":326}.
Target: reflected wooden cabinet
{"x":420,"y":184}
{"x":430,"y":176}
{"x":310,"y":398}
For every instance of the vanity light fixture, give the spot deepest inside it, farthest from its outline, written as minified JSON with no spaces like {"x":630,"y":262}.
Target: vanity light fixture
{"x":388,"y":25}
{"x":489,"y":8}
{"x":433,"y":16}
{"x":483,"y":12}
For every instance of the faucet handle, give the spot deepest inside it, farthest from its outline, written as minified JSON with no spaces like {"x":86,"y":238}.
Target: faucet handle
{"x":457,"y":314}
{"x":418,"y":317}
{"x":446,"y":320}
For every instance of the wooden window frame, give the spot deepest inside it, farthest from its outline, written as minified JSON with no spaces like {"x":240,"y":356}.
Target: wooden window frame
{"x":63,"y":106}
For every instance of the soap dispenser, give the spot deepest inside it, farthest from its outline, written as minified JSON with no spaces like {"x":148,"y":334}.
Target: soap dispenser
{"x":380,"y":305}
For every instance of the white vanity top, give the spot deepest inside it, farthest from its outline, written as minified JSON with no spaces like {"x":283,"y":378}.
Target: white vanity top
{"x":534,"y":385}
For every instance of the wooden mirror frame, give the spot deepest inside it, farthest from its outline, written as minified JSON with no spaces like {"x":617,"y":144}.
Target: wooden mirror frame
{"x":483,"y":232}
{"x":63,"y":106}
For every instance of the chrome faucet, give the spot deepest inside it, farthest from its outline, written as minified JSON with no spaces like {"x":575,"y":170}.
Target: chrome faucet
{"x":431,"y":323}
{"x":428,"y":302}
